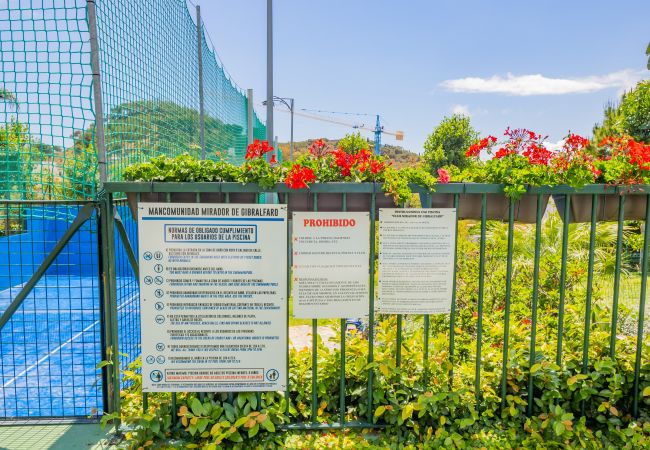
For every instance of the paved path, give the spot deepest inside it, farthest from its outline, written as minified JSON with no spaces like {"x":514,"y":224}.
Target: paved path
{"x":54,"y":437}
{"x":300,"y":337}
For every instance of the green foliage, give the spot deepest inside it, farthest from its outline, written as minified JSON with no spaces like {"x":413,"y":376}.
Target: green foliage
{"x":631,"y":116}
{"x":14,"y":159}
{"x":430,"y":415}
{"x":353,"y":142}
{"x":447,"y":143}
{"x":635,"y":111}
{"x":186,"y":168}
{"x":514,"y":171}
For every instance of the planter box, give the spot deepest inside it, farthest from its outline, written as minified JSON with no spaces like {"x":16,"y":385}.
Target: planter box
{"x":333,"y":202}
{"x":469,"y":206}
{"x":607,"y":209}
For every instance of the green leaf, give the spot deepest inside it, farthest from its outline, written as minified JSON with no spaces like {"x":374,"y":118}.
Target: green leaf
{"x":241,"y":421}
{"x":197,"y":407}
{"x":407,"y":412}
{"x":646,"y":391}
{"x":236,"y":437}
{"x":253,"y":431}
{"x":268,"y":425}
{"x":241,"y":400}
{"x":379,"y":411}
{"x":559,"y":428}
{"x":230,"y":411}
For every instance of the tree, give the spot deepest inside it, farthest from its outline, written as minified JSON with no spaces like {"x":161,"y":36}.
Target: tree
{"x":353,"y":142}
{"x":635,"y":112}
{"x":448,"y":142}
{"x":631,"y":116}
{"x":647,"y":52}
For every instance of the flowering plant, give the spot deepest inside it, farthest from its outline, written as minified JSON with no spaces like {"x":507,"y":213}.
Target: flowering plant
{"x":625,"y":161}
{"x":323,"y":164}
{"x":522,"y":159}
{"x":574,"y":164}
{"x":256,"y":169}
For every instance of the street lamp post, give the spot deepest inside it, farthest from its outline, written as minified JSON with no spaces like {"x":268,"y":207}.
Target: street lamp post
{"x":289,"y":103}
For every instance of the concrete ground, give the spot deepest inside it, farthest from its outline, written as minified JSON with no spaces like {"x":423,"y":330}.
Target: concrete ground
{"x":54,"y":437}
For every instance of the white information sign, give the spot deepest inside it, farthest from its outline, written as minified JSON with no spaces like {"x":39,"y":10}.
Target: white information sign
{"x":330,"y":264}
{"x":213,"y":297}
{"x":416,"y":260}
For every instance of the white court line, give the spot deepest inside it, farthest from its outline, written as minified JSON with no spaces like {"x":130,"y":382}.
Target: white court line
{"x":58,"y":349}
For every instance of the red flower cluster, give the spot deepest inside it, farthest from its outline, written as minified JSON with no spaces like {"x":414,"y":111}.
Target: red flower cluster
{"x":299,"y":177}
{"x":443,"y":176}
{"x":475,"y":149}
{"x":344,"y":161}
{"x":526,"y":143}
{"x":573,"y":154}
{"x":503,"y":152}
{"x":362,"y":160}
{"x":639,"y":154}
{"x":257,"y":149}
{"x":537,"y":154}
{"x":318,"y":148}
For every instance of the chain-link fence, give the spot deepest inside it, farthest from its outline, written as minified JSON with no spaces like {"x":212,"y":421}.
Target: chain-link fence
{"x":149,"y":63}
{"x":149,"y":75}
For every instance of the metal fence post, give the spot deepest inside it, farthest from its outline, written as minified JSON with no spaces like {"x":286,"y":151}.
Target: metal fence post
{"x":100,"y":143}
{"x":110,"y":352}
{"x":199,"y":46}
{"x":250,"y":112}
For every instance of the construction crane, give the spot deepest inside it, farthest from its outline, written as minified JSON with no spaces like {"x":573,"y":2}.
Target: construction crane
{"x":378,"y":130}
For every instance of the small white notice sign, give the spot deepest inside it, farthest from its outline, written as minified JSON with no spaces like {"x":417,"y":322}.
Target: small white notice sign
{"x":416,"y":260}
{"x":330,"y":264}
{"x":213,"y":297}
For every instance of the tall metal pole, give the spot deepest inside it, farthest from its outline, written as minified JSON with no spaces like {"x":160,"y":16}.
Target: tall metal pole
{"x":291,"y":143}
{"x":269,"y":70}
{"x":250,"y":116}
{"x":100,"y":142}
{"x":199,"y":41}
{"x":377,"y":137}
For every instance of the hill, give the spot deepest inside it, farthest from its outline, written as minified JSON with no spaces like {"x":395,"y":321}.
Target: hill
{"x":396,"y":154}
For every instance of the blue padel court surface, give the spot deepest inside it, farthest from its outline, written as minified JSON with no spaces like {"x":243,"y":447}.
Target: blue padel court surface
{"x":50,"y":348}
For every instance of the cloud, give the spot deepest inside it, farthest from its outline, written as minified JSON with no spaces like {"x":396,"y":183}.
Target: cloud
{"x":537,"y":84}
{"x":554,"y":146}
{"x":461,"y":109}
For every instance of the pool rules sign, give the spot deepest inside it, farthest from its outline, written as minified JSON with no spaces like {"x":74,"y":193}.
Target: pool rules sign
{"x":213,"y":297}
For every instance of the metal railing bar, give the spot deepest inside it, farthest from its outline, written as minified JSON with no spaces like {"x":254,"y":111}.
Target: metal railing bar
{"x":642,"y":300}
{"x":506,"y":308}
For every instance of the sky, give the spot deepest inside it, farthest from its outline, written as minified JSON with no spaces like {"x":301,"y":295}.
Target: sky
{"x":550,"y":66}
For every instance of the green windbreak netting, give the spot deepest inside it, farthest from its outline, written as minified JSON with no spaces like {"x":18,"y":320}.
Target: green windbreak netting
{"x":46,"y":118}
{"x":225,"y":110}
{"x":150,"y":83}
{"x":149,"y":73}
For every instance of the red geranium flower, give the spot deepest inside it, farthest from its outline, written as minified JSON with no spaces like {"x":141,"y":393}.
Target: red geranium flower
{"x":443,"y":176}
{"x":299,"y":177}
{"x":475,"y":149}
{"x":257,"y":149}
{"x":318,"y":148}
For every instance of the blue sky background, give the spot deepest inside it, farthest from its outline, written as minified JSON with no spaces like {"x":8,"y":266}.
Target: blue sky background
{"x":414,"y":62}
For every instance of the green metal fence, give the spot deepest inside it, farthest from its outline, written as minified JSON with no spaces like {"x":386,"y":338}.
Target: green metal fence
{"x":454,"y":195}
